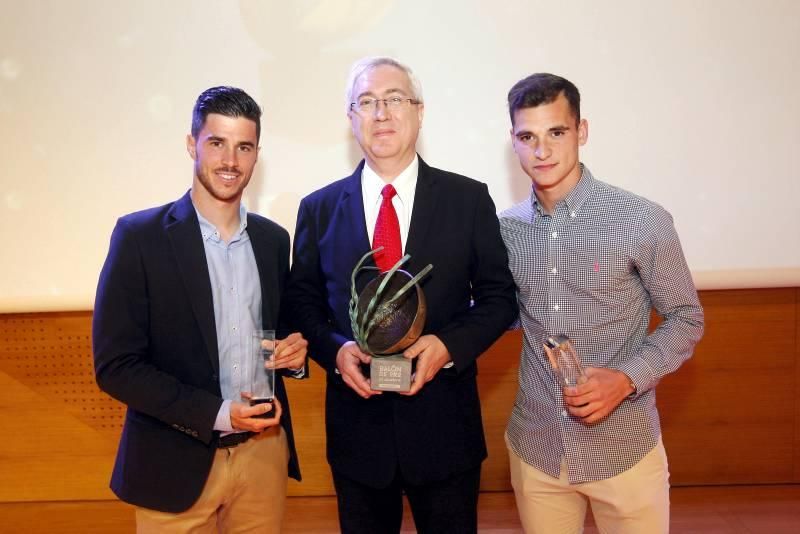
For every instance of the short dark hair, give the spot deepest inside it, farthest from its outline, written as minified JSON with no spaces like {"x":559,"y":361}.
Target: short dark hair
{"x":228,"y":101}
{"x":543,"y":88}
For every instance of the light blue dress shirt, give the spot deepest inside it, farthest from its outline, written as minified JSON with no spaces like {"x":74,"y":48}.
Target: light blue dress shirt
{"x":236,"y":291}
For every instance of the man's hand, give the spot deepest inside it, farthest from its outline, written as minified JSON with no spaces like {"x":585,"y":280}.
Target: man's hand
{"x":243,"y":415}
{"x":347,"y":362}
{"x":600,"y":395}
{"x":431,"y":355}
{"x":290,"y":353}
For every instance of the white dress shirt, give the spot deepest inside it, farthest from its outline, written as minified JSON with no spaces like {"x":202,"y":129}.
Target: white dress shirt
{"x":405,"y":184}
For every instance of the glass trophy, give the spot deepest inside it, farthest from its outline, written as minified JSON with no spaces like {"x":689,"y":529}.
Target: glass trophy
{"x":262,"y":377}
{"x":565,"y":360}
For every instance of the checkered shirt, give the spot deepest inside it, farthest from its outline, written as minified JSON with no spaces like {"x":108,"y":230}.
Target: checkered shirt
{"x":592,"y":270}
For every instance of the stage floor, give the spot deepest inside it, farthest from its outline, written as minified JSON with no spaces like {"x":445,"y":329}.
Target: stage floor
{"x":707,"y":510}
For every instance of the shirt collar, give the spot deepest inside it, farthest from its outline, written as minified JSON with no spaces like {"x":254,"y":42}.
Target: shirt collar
{"x":404,"y":183}
{"x":210,"y":232}
{"x":575,"y":198}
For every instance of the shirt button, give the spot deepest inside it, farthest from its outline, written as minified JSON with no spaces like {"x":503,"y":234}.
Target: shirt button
{"x":564,"y":413}
{"x":572,"y":214}
{"x":554,"y":234}
{"x":554,"y":270}
{"x":555,"y":307}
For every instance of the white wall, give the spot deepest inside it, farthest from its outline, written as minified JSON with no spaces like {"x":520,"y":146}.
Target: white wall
{"x":690,"y":103}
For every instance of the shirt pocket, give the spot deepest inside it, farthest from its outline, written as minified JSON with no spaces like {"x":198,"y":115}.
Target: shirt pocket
{"x":598,"y":264}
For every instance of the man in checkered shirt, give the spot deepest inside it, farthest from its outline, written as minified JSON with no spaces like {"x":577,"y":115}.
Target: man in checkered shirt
{"x":590,"y":261}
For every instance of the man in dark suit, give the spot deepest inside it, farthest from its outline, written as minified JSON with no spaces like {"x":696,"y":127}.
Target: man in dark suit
{"x":183,"y":287}
{"x":427,"y":443}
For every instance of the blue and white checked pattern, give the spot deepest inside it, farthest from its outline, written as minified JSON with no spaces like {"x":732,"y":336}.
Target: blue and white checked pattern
{"x":592,"y":269}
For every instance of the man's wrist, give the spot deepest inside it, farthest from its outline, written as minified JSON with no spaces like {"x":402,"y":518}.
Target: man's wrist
{"x":631,"y":385}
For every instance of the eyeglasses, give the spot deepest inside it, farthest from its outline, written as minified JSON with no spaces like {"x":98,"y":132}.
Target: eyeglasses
{"x":368,"y":105}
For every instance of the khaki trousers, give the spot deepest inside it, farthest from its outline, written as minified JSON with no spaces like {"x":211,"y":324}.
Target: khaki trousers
{"x":245,"y":492}
{"x":633,"y":502}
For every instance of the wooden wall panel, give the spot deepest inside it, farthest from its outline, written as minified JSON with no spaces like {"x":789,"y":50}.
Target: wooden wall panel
{"x":307,"y":399}
{"x":730,"y":415}
{"x":497,"y":382}
{"x":796,"y":477}
{"x":59,"y":431}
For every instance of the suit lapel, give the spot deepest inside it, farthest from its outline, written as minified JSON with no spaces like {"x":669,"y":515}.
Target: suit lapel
{"x":261,"y":243}
{"x":425,"y":202}
{"x":351,"y":213}
{"x":187,"y":244}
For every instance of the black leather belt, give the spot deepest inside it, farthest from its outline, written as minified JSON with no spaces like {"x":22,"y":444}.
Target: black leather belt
{"x":232,"y":440}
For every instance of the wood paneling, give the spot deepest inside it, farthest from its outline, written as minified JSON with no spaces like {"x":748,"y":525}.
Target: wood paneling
{"x":59,"y":430}
{"x":307,"y":399}
{"x":796,"y":477}
{"x":731,"y":415}
{"x":497,"y":381}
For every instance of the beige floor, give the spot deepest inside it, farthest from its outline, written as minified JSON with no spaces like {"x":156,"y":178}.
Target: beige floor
{"x":706,"y":510}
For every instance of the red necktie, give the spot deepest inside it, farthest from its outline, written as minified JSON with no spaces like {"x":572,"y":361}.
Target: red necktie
{"x":387,"y":232}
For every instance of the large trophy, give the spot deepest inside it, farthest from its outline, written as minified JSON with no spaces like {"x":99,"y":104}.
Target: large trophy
{"x":387,"y":317}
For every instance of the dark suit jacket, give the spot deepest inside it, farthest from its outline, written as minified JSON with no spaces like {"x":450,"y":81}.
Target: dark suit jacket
{"x":155,"y":349}
{"x":438,"y":432}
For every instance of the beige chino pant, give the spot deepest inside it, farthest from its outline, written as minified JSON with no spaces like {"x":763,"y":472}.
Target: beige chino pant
{"x":245,"y":492}
{"x":633,"y":502}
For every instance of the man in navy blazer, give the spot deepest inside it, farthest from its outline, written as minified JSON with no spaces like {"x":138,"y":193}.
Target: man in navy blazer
{"x":181,"y":290}
{"x":427,"y":443}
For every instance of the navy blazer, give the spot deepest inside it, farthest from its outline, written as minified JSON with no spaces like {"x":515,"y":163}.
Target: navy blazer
{"x":471,"y":301}
{"x":155,"y":349}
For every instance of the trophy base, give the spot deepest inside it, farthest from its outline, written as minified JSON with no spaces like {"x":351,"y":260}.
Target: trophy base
{"x":263,"y":400}
{"x":391,"y":373}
